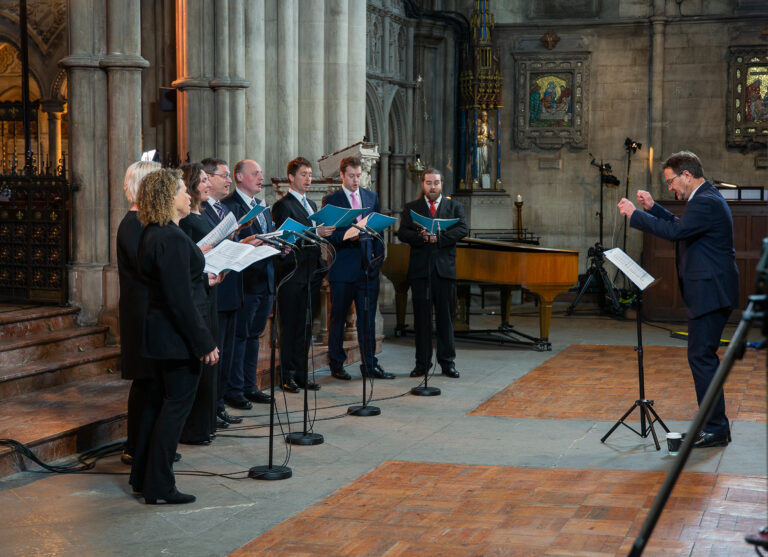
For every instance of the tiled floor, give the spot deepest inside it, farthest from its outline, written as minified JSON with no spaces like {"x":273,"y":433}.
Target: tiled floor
{"x":601,"y":382}
{"x":407,"y":508}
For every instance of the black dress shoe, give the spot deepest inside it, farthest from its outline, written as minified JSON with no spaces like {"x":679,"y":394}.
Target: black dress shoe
{"x":175,"y":498}
{"x":418,"y":372}
{"x":377,"y":373}
{"x":221,"y":424}
{"x":450,"y":371}
{"x":225,"y":416}
{"x":241,"y":403}
{"x":176,"y":457}
{"x":340,"y":373}
{"x":126,"y":458}
{"x":291,"y":386}
{"x":705,"y":440}
{"x":258,"y":396}
{"x":310,"y":386}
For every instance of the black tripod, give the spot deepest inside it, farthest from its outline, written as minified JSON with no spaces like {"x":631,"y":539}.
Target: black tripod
{"x":608,"y":301}
{"x":647,"y":414}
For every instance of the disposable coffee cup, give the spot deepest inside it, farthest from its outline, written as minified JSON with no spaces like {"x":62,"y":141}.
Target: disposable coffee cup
{"x":674,"y":440}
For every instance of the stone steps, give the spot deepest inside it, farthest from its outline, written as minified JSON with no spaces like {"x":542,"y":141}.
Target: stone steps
{"x":60,"y":393}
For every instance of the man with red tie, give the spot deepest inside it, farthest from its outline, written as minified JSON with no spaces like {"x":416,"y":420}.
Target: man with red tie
{"x":432,"y":273}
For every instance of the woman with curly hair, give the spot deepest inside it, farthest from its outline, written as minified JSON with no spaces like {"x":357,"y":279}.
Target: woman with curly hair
{"x":175,"y":337}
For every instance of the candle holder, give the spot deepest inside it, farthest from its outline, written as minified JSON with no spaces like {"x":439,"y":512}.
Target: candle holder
{"x":519,"y":205}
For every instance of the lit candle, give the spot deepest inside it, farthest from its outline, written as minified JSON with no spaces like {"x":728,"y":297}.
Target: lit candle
{"x":519,"y":198}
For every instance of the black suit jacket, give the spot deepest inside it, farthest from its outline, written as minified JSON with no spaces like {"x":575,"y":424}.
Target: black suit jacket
{"x":172,"y":267}
{"x":308,"y":257}
{"x":705,"y":255}
{"x":260,"y":276}
{"x":442,"y":254}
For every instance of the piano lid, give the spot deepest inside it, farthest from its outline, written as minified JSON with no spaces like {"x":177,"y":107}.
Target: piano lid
{"x":497,"y":245}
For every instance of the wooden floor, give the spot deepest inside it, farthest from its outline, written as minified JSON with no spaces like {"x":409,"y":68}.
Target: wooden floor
{"x":425,"y":509}
{"x":588,"y":382}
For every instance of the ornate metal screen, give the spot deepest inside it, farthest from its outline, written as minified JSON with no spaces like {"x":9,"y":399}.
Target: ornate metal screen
{"x":34,"y":236}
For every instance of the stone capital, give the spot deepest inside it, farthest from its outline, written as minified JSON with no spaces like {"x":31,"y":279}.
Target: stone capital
{"x":191,"y":83}
{"x":123,"y":61}
{"x":53,"y":107}
{"x":81,"y":61}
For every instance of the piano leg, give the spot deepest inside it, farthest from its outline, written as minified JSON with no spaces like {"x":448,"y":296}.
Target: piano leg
{"x":546,"y":297}
{"x":401,"y":300}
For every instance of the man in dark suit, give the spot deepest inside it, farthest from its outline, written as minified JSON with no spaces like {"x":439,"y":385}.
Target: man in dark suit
{"x":292,"y":296}
{"x":354,"y":272}
{"x":706,"y":271}
{"x":432,"y":273}
{"x":230,"y":291}
{"x":258,"y":287}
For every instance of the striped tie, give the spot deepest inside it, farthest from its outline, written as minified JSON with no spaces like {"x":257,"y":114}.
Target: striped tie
{"x":219,"y":209}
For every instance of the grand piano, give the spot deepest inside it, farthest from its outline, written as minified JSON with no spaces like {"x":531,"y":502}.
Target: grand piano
{"x":544,"y":271}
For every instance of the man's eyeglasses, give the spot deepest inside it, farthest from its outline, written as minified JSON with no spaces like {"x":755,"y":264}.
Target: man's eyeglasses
{"x":669,"y":182}
{"x":225,"y":176}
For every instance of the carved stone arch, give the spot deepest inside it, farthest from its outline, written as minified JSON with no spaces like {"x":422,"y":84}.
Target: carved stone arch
{"x":59,"y":87}
{"x":36,"y":66}
{"x":397,"y":123}
{"x":373,"y":114}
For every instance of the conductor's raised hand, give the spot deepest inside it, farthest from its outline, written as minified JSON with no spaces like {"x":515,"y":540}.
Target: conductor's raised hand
{"x":644,"y":199}
{"x":626,"y":207}
{"x":325,"y":231}
{"x":211,"y":358}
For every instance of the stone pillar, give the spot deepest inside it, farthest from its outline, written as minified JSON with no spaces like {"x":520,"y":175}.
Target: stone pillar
{"x":53,"y":110}
{"x":287,"y":80}
{"x":356,"y":43}
{"x":195,"y":116}
{"x":336,"y":54}
{"x":256,"y":94}
{"x":656,"y":100}
{"x":123,"y":63}
{"x":221,"y":78}
{"x":237,"y":81}
{"x":87,"y":91}
{"x":312,"y":79}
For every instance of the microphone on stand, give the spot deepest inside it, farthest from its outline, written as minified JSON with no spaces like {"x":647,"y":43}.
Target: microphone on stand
{"x":304,"y":237}
{"x":315,"y":237}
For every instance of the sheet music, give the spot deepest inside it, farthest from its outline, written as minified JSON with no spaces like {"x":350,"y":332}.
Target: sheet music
{"x":234,"y":256}
{"x":226,"y":227}
{"x":632,"y":270}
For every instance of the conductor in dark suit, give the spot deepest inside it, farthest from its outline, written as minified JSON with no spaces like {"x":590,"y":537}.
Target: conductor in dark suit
{"x":175,"y":336}
{"x":292,"y":297}
{"x":432,"y":273}
{"x":258,"y":286}
{"x":355,"y":269}
{"x":706,"y":271}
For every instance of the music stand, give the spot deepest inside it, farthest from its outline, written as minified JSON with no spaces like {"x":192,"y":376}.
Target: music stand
{"x":648,"y":415}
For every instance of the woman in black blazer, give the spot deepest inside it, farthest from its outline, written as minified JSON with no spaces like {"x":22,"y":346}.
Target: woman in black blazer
{"x":200,"y":427}
{"x":175,"y":336}
{"x":132,"y":305}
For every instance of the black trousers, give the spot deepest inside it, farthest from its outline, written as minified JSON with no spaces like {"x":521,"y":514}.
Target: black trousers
{"x":704,"y":335}
{"x":168,"y":404}
{"x":295,"y":331}
{"x":438,"y":293}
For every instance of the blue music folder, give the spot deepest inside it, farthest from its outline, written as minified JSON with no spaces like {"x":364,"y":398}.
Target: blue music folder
{"x":432,"y":225}
{"x":331,"y":215}
{"x":289,"y":226}
{"x":379,"y":222}
{"x":252,"y":214}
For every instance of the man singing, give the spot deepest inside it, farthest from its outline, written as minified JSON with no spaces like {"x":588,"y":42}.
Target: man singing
{"x":432,"y":273}
{"x":354,"y":273}
{"x":706,"y":271}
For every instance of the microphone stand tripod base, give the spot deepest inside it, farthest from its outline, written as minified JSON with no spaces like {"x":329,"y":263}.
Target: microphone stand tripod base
{"x":363,"y":410}
{"x":307,"y":438}
{"x":425,"y":391}
{"x":270,"y":473}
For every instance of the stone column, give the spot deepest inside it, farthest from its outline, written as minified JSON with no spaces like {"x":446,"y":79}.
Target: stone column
{"x":336,"y":55}
{"x":256,"y":94}
{"x":356,"y":43}
{"x":195,"y":116}
{"x":123,"y":64}
{"x":53,"y":110}
{"x":87,"y":92}
{"x":656,"y":99}
{"x":312,"y":79}
{"x":220,"y":82}
{"x":237,"y":81}
{"x":287,"y":81}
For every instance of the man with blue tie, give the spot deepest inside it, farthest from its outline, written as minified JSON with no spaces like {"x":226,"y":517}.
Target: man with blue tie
{"x":706,"y":271}
{"x":258,"y":288}
{"x":354,"y":273}
{"x":230,"y":291}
